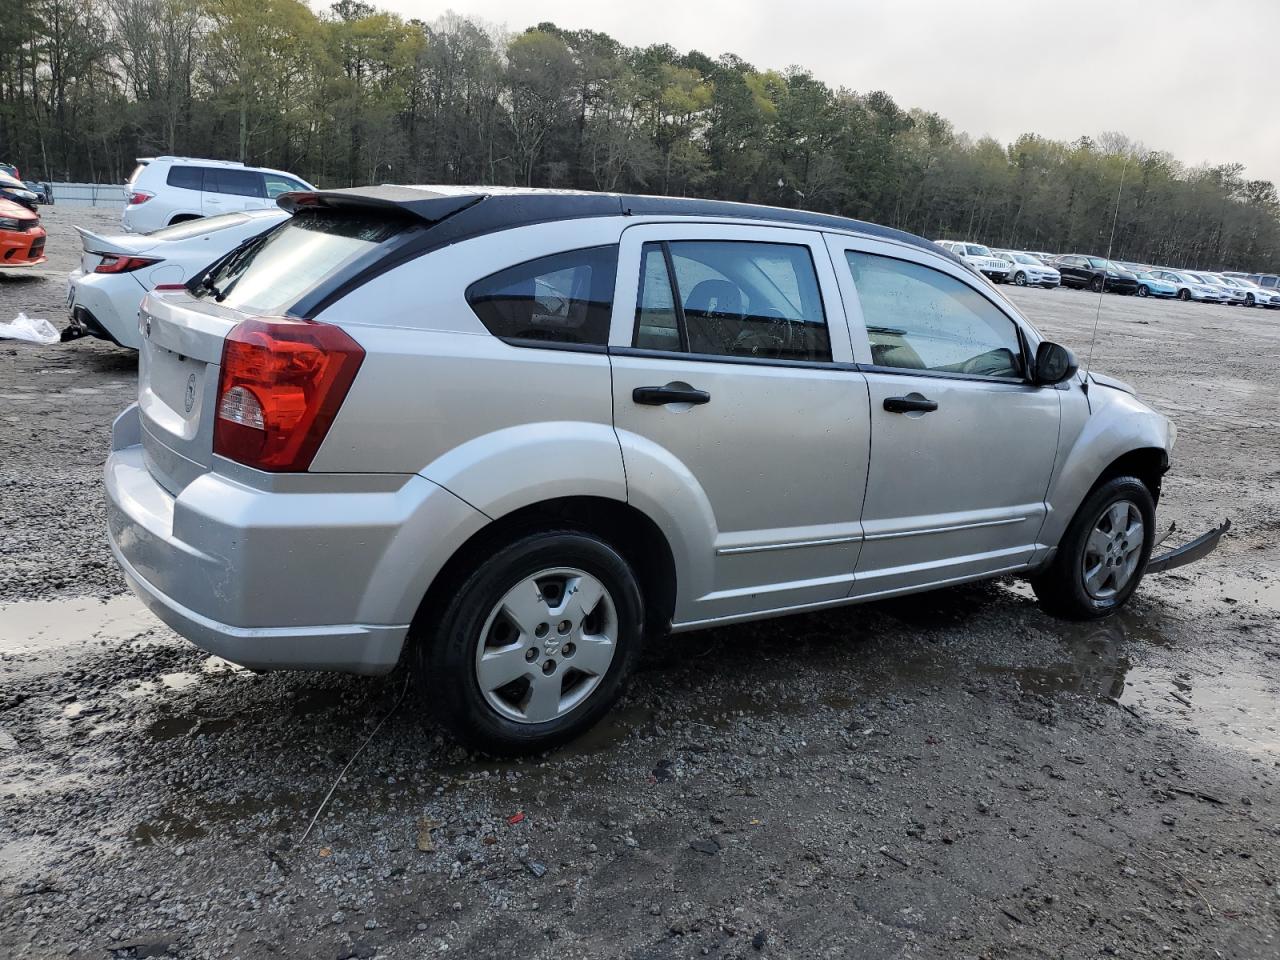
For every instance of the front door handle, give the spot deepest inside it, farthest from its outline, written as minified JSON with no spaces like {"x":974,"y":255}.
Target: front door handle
{"x":913,"y":403}
{"x":670,"y":393}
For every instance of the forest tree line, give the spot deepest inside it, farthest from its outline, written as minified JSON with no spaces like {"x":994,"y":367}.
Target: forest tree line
{"x":356,"y":95}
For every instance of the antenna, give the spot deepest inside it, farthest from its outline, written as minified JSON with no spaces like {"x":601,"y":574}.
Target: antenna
{"x":1101,"y":293}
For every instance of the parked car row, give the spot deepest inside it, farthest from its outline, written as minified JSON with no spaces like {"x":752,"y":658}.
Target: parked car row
{"x":163,"y":191}
{"x":40,"y":192}
{"x":1099,"y":274}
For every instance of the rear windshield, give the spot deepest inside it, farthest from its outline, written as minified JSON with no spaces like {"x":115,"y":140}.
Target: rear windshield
{"x":271,"y":273}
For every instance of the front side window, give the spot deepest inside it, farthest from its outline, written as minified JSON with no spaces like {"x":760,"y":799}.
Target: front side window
{"x":278,"y":184}
{"x":919,"y":318}
{"x":731,"y":298}
{"x":563,"y":298}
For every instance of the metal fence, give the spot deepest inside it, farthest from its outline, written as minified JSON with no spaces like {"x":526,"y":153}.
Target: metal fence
{"x":88,"y":194}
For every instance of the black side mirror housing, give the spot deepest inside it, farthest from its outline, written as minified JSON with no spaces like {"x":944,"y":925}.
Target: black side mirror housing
{"x":1054,"y":363}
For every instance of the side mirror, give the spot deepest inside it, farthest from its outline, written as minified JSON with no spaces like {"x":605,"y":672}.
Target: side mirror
{"x":1054,"y":363}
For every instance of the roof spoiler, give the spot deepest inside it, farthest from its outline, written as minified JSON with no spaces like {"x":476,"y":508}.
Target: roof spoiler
{"x":427,"y":206}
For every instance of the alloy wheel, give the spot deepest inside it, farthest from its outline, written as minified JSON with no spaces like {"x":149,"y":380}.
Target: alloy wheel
{"x":1112,"y":550}
{"x":546,"y":645}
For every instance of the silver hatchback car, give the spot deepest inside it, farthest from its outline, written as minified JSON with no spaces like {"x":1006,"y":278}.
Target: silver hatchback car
{"x":506,"y":435}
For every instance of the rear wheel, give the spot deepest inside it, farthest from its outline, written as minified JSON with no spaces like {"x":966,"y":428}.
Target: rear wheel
{"x":1144,"y":291}
{"x":1103,"y":553}
{"x":535,"y":646}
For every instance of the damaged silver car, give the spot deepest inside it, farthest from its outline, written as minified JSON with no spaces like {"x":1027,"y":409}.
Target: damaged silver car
{"x":504,"y":436}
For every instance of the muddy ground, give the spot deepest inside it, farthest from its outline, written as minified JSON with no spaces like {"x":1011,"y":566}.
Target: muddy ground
{"x":951,"y":775}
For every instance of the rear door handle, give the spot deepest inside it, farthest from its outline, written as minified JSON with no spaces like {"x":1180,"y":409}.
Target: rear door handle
{"x":670,"y":393}
{"x":912,"y":403}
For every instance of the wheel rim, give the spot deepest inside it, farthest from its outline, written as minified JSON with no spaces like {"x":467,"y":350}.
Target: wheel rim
{"x":1096,"y":286}
{"x":1020,"y":280}
{"x":1112,"y":552}
{"x":1142,"y":291}
{"x":546,"y":645}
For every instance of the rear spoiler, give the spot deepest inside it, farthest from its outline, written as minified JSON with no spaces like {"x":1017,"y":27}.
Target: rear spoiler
{"x":96,"y":243}
{"x":425,"y":205}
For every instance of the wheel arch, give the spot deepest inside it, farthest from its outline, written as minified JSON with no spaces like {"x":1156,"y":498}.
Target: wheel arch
{"x":184,"y":218}
{"x":628,"y":530}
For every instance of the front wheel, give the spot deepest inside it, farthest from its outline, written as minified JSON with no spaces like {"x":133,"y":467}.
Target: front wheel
{"x":1102,"y":555}
{"x":1020,"y":279}
{"x":1184,"y":295}
{"x":1096,"y":284}
{"x":535,"y":646}
{"x":1143,"y":291}
{"x":1249,"y":301}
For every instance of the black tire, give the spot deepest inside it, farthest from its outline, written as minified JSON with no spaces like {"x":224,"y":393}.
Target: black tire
{"x":1096,"y":284}
{"x":1061,"y":587}
{"x":1249,"y":301}
{"x":1019,"y":279}
{"x":1144,"y":291}
{"x":448,"y":660}
{"x":1184,"y":295}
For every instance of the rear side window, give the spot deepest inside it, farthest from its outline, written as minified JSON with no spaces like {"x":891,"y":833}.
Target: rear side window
{"x":188,"y":178}
{"x":731,"y":298}
{"x":241,"y":183}
{"x":275,"y":270}
{"x":919,"y":318}
{"x":564,"y":298}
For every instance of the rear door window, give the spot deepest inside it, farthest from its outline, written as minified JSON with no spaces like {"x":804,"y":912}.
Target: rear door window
{"x":188,"y":178}
{"x":240,"y":183}
{"x":564,"y":298}
{"x":731,"y":298}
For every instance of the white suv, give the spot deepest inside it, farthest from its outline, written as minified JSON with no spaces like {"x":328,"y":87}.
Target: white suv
{"x":505,"y":436}
{"x":166,"y":190}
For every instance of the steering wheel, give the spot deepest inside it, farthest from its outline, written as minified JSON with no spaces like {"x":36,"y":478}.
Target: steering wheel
{"x":777,"y":339}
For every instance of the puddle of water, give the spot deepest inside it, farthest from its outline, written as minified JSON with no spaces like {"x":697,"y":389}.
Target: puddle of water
{"x":37,"y":626}
{"x":1235,"y":707}
{"x":183,"y":679}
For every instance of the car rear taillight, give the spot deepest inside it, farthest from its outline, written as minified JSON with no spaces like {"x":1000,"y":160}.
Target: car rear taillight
{"x":139,"y":196}
{"x":119,"y":263}
{"x":281,"y":385}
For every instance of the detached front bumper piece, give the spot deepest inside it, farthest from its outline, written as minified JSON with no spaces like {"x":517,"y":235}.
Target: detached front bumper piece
{"x":1189,"y":552}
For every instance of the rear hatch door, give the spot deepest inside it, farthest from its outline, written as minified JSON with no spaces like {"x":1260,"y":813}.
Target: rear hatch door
{"x":178,"y":367}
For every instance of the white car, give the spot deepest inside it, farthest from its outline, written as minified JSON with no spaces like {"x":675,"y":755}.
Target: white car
{"x":1228,"y":286}
{"x":1192,"y":286}
{"x":163,"y":191}
{"x":116,"y":272}
{"x":980,"y":258}
{"x":1254,"y":295}
{"x":1027,"y":271}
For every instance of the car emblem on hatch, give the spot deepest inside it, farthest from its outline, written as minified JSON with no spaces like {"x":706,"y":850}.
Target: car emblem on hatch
{"x":191,"y":392}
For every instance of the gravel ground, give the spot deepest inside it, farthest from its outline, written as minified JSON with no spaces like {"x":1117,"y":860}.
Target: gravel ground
{"x":949,"y":775}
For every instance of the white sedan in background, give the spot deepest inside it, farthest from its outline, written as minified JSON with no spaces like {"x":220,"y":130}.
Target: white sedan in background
{"x":1026,"y":270}
{"x":104,"y":294}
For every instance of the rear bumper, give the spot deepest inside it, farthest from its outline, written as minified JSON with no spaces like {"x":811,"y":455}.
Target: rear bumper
{"x":107,"y":307}
{"x":324,"y":576}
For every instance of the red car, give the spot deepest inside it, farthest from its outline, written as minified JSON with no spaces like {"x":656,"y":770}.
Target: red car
{"x":21,"y":236}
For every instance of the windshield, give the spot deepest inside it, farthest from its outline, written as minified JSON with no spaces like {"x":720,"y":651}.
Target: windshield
{"x":271,"y":272}
{"x":1193,"y":277}
{"x":1026,"y":258}
{"x":976,"y":250}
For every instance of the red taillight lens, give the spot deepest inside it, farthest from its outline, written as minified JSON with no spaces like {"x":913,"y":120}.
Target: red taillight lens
{"x":113,"y":263}
{"x":281,"y":385}
{"x":139,"y":196}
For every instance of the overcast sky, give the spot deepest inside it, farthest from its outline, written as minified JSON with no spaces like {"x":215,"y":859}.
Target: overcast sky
{"x":1193,"y":77}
